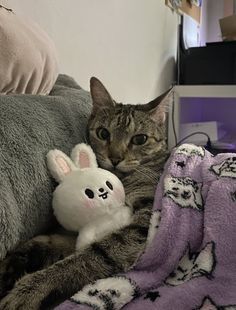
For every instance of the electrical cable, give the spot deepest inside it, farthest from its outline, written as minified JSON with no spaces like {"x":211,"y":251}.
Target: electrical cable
{"x":173,"y":117}
{"x":208,"y":143}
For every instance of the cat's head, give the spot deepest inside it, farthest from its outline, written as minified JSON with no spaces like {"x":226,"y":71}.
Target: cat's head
{"x":125,"y":136}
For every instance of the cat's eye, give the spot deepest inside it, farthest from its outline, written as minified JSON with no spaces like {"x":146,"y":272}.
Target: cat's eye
{"x":89,"y":193}
{"x":103,"y":133}
{"x":109,"y":185}
{"x":139,"y":139}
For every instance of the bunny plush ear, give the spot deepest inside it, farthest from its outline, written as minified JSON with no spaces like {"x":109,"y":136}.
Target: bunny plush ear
{"x":59,"y":164}
{"x":83,"y":156}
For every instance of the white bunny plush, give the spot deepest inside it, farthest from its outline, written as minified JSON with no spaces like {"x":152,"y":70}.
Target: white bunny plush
{"x":88,"y":199}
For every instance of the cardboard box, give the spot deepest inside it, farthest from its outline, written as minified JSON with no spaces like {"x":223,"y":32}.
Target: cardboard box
{"x":228,"y":28}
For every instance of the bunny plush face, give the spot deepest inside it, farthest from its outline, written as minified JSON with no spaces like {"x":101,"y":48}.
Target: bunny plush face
{"x":85,"y":195}
{"x":85,"y":192}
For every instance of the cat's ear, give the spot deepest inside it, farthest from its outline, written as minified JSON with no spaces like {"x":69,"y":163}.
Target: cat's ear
{"x":159,"y":107}
{"x":100,"y":96}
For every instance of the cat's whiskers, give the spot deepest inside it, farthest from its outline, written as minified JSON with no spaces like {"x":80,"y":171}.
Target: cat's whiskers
{"x":149,"y":175}
{"x":104,"y":162}
{"x":128,"y":164}
{"x":85,"y":138}
{"x":150,"y":170}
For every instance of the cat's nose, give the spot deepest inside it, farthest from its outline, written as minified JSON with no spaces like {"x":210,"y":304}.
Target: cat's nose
{"x":116,"y":161}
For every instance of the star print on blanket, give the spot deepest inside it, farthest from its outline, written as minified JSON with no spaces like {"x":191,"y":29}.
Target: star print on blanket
{"x":152,"y":295}
{"x":190,"y":256}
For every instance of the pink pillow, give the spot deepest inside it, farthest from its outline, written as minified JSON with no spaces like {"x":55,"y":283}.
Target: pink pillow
{"x":28,"y":60}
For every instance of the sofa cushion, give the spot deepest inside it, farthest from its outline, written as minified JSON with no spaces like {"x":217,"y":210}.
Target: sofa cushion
{"x":28,"y":59}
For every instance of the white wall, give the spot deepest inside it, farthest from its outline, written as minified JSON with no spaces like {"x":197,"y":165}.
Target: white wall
{"x":212,"y":11}
{"x":129,"y":44}
{"x":215,"y":10}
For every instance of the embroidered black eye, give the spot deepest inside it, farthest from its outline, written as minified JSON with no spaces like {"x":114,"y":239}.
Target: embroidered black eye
{"x":89,"y":193}
{"x":139,"y":139}
{"x":114,"y":293}
{"x":172,"y":275}
{"x":93,"y":292}
{"x":103,"y":133}
{"x":109,"y":185}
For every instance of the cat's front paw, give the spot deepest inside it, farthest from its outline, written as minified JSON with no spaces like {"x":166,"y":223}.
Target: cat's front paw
{"x":11,"y":269}
{"x":27,"y":294}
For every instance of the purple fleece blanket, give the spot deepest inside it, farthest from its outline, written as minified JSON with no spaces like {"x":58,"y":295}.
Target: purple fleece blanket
{"x":190,"y":258}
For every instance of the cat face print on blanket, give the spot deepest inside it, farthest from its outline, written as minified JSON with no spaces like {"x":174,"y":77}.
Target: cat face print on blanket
{"x":190,"y":150}
{"x":194,"y":265}
{"x":109,"y":293}
{"x":208,"y":304}
{"x":184,"y":191}
{"x":225,"y":169}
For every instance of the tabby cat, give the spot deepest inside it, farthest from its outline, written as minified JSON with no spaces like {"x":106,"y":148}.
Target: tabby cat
{"x":129,"y":140}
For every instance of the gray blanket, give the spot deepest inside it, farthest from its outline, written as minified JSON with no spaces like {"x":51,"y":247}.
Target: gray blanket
{"x":30,"y":126}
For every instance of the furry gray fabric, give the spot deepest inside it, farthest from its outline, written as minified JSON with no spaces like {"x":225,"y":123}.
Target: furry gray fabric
{"x":30,"y":126}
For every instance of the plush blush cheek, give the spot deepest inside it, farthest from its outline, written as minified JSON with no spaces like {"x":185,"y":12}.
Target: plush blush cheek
{"x":118,"y":194}
{"x":88,"y":203}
